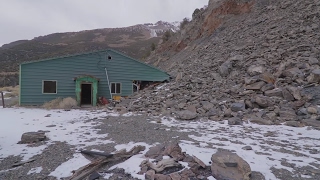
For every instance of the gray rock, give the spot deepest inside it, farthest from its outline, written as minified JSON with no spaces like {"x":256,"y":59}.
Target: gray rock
{"x":287,"y":95}
{"x":207,"y":105}
{"x":293,"y":73}
{"x":224,"y":69}
{"x":250,"y":80}
{"x":187,"y":115}
{"x":313,"y":61}
{"x":267,"y":87}
{"x":32,"y":137}
{"x":236,"y":58}
{"x":155,"y":152}
{"x":170,"y":103}
{"x":296,"y":93}
{"x":213,"y":112}
{"x":255,"y":86}
{"x":293,"y":123}
{"x":274,"y":92}
{"x":263,"y":101}
{"x":312,"y":110}
{"x":261,"y":121}
{"x":235,"y":107}
{"x":247,"y":148}
{"x":234,"y":121}
{"x":150,"y":175}
{"x":52,"y":125}
{"x":287,"y":115}
{"x":255,"y":70}
{"x":314,"y":76}
{"x":228,"y":165}
{"x":311,"y":122}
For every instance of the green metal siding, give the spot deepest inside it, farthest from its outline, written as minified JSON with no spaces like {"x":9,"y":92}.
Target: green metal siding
{"x":121,"y":68}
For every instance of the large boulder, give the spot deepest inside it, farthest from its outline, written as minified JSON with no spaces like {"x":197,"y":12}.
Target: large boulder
{"x":228,"y":165}
{"x":32,"y":137}
{"x":187,"y":115}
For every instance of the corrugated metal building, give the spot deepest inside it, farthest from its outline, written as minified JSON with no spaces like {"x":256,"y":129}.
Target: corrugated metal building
{"x":84,"y":77}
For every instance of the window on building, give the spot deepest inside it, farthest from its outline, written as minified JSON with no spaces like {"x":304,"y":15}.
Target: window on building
{"x":49,"y":87}
{"x":115,"y":88}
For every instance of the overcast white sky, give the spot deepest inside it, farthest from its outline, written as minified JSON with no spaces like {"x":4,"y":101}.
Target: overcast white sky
{"x":26,"y":19}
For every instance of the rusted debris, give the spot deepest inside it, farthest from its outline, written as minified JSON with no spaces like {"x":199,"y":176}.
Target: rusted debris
{"x":88,"y":169}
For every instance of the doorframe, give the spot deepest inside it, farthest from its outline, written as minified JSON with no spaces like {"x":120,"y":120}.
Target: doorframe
{"x":91,"y":84}
{"x":94,"y":92}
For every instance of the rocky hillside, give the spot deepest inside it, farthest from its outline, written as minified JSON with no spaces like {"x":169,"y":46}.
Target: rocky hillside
{"x":134,"y":40}
{"x":242,"y":60}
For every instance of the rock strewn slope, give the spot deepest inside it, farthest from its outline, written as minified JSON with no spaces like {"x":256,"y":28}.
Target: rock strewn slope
{"x":262,"y":59}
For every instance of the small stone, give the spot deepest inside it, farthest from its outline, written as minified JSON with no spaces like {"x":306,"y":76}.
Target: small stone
{"x":235,"y":107}
{"x":150,"y":175}
{"x":234,"y":121}
{"x":262,"y":101}
{"x":293,"y":123}
{"x":247,"y":148}
{"x":255,"y":86}
{"x":287,"y":95}
{"x":187,"y":115}
{"x":274,"y":92}
{"x":51,"y":125}
{"x":314,"y":76}
{"x":312,"y":110}
{"x":48,"y":115}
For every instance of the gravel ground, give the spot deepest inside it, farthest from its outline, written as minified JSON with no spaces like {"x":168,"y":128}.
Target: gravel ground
{"x":122,"y":130}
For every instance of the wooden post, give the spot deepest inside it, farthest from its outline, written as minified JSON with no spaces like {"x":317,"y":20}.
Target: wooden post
{"x":2,"y":97}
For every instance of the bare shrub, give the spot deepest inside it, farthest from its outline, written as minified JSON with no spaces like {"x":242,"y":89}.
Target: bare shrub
{"x":59,"y":103}
{"x":13,"y":91}
{"x":53,"y":104}
{"x":68,"y":103}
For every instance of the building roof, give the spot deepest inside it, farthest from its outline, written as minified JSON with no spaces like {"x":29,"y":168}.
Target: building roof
{"x":92,"y":52}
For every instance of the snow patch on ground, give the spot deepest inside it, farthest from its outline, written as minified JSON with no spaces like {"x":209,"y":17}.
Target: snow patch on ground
{"x":282,"y":144}
{"x":72,"y":127}
{"x":35,"y":170}
{"x":66,"y":168}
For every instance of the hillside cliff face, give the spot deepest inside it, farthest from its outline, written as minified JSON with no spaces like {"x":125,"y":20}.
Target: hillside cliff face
{"x":242,"y":55}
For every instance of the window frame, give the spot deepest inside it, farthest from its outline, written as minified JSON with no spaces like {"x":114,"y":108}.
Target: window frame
{"x":50,"y":81}
{"x":115,"y":87}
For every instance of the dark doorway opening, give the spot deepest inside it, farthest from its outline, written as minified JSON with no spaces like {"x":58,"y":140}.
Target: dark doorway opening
{"x":86,"y":94}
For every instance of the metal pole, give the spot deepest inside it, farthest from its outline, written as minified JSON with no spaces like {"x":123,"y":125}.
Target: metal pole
{"x":2,"y":97}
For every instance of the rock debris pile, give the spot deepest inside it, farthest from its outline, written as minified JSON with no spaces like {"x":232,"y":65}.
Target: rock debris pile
{"x":260,"y":64}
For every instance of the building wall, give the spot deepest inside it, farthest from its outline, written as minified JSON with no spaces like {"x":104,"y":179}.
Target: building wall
{"x":120,"y":69}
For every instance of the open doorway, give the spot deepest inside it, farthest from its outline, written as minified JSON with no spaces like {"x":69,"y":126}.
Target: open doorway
{"x":86,"y":94}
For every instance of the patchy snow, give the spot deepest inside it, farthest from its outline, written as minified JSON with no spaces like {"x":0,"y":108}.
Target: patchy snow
{"x":153,"y":33}
{"x":35,"y":170}
{"x":285,"y":143}
{"x":66,"y":168}
{"x":4,"y":93}
{"x":271,"y":145}
{"x":69,"y":126}
{"x":131,"y":165}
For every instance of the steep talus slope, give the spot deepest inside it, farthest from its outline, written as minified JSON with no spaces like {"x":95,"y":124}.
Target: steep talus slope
{"x":261,"y":54}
